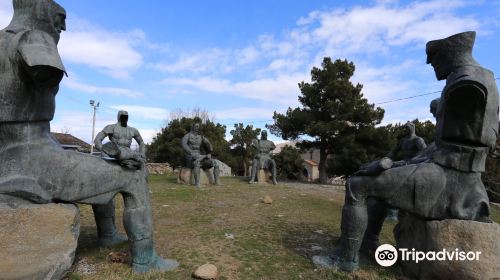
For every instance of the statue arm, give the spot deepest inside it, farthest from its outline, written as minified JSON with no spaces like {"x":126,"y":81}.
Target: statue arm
{"x":101,"y":135}
{"x":185,"y":145}
{"x":140,"y":141}
{"x":208,"y":145}
{"x":420,"y":144}
{"x":41,"y":59}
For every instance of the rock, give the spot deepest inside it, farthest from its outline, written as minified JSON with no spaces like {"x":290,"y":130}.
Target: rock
{"x":339,"y":181}
{"x":468,"y":236}
{"x":159,"y":168}
{"x":184,"y":176}
{"x":206,"y":272}
{"x":267,"y":200}
{"x":38,"y":241}
{"x":224,"y":169}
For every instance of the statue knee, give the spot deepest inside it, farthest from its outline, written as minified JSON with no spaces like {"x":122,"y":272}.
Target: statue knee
{"x":356,"y":188}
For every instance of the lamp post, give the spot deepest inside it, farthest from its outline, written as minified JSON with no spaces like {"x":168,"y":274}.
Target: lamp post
{"x":94,"y":106}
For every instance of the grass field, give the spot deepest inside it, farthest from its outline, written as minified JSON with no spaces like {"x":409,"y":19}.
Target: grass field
{"x":229,"y":227}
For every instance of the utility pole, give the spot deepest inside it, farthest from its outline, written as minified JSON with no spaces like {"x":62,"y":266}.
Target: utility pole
{"x":95,"y":106}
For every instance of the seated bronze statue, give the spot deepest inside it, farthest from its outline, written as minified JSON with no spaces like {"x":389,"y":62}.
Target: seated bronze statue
{"x":33,"y":167}
{"x":447,"y":182}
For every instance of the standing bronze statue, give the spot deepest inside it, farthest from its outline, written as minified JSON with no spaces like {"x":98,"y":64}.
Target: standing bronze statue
{"x":192,"y":143}
{"x":447,"y":183}
{"x":263,"y":158}
{"x":33,"y":168}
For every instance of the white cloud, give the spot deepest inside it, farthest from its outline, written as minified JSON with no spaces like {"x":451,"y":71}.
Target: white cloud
{"x":135,"y":111}
{"x":112,"y":53}
{"x":281,"y":89}
{"x":74,"y":84}
{"x":79,"y":123}
{"x":376,"y":28}
{"x":210,"y":60}
{"x":6,"y":13}
{"x":245,"y":113}
{"x":148,"y":134}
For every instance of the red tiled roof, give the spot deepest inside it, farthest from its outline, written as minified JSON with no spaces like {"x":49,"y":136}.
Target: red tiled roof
{"x":68,"y":139}
{"x":311,"y":162}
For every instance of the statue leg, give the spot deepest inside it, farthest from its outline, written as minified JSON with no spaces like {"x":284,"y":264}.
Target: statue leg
{"x":138,"y":223}
{"x":106,"y":229}
{"x":393,"y":186}
{"x":91,"y":180}
{"x":353,"y":225}
{"x":216,"y":172}
{"x":196,"y":172}
{"x":376,"y":218}
{"x":272,"y":166}
{"x":253,"y":174}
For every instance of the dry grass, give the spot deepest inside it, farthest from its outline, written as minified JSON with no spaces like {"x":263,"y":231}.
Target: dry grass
{"x":271,"y":241}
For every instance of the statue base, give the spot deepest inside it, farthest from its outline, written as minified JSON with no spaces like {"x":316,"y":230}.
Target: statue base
{"x":466,"y":236}
{"x":185,"y":177}
{"x":38,"y":241}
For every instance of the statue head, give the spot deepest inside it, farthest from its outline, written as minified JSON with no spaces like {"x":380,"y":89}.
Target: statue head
{"x":195,"y":128}
{"x":123,"y":118}
{"x":44,"y":15}
{"x":409,"y":129}
{"x":433,"y":107}
{"x":263,"y":135}
{"x":447,"y":54}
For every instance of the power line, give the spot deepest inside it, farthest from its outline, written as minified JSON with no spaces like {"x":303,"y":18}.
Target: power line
{"x":413,"y":96}
{"x":409,"y":97}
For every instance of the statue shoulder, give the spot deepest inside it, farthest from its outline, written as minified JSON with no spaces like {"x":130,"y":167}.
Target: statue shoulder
{"x":109,"y":129}
{"x":38,"y":48}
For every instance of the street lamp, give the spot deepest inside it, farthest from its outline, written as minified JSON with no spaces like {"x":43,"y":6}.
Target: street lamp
{"x":94,"y":106}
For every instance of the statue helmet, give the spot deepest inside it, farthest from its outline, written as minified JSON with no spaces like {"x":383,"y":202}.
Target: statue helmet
{"x":452,"y":52}
{"x":122,"y":113}
{"x":35,"y":15}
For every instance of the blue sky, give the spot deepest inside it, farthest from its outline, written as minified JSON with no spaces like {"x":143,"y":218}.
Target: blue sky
{"x":242,"y":60}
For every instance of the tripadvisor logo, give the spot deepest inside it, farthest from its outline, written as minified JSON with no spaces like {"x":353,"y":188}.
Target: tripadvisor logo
{"x":386,"y":255}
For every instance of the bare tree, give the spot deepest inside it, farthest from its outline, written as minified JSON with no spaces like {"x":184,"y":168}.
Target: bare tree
{"x":195,"y":112}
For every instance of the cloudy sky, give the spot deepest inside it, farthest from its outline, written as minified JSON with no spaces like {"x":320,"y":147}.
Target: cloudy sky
{"x":242,"y":60}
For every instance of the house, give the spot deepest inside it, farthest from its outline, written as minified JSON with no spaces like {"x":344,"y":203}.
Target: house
{"x":310,"y":157}
{"x":70,"y":142}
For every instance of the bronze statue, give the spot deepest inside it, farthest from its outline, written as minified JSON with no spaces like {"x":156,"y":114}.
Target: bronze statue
{"x":120,"y":136}
{"x":33,"y":168}
{"x":263,"y":159}
{"x":408,"y":147}
{"x":446,"y":183}
{"x":192,"y":143}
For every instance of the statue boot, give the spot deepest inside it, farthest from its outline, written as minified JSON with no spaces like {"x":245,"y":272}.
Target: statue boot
{"x":106,"y":228}
{"x":354,"y":220}
{"x":139,"y":227}
{"x":145,"y":259}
